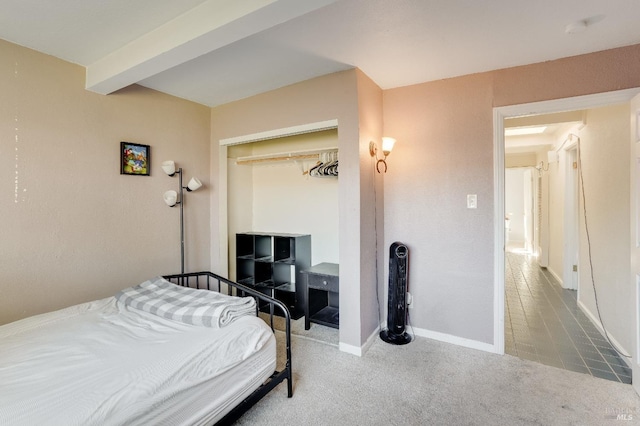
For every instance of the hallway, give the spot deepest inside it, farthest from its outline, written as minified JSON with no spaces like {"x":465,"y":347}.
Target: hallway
{"x":544,"y":324}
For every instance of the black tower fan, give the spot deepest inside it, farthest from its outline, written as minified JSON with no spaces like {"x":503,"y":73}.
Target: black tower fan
{"x":397,"y":315}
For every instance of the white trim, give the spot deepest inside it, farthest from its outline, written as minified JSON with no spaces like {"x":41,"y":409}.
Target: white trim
{"x":455,"y":340}
{"x":360,"y":351}
{"x":281,"y":133}
{"x":499,"y":234}
{"x":571,"y":219}
{"x":530,"y":174}
{"x":634,"y":188}
{"x":223,"y":211}
{"x":598,"y":325}
{"x":556,"y":276}
{"x":350,"y":349}
{"x":568,"y":104}
{"x":499,"y":114}
{"x":637,"y":339}
{"x":635,"y":361}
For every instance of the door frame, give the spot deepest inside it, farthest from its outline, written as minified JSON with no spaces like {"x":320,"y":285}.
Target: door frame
{"x":571,"y":218}
{"x":499,"y":115}
{"x":634,"y":193}
{"x":529,"y":203}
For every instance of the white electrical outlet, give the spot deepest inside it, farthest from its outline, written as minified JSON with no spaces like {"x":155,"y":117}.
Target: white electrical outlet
{"x":472,"y":201}
{"x":409,"y":300}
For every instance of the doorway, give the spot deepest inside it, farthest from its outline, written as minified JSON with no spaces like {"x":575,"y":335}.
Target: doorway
{"x":560,"y":253}
{"x":519,"y":209}
{"x":544,"y":318}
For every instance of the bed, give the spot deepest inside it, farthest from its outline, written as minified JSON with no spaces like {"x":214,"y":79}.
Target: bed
{"x":173,"y":350}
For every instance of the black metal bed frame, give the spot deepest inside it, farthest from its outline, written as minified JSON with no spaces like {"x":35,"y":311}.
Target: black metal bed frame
{"x":211,"y":281}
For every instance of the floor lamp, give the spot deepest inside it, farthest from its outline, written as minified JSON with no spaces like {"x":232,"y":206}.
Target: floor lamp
{"x":171,"y":198}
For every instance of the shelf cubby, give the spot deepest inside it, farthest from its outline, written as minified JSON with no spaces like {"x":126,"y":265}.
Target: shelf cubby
{"x":272,"y":264}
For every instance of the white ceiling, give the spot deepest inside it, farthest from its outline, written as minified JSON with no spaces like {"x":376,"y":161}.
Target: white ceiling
{"x":217,"y":51}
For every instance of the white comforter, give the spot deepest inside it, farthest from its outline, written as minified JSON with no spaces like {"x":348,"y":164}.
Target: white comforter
{"x":103,"y":363}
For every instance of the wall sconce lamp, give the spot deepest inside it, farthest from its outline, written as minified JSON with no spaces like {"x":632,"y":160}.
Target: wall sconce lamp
{"x":387,"y":146}
{"x":171,"y":198}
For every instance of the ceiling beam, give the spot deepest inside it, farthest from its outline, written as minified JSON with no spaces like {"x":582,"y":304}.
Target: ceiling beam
{"x":205,"y":28}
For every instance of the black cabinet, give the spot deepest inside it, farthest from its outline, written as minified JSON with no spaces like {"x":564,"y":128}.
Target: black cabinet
{"x":322,"y":291}
{"x":272,"y":264}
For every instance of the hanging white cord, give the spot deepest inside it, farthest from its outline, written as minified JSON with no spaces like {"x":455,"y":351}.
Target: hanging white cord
{"x":586,"y":228}
{"x":375,"y":230}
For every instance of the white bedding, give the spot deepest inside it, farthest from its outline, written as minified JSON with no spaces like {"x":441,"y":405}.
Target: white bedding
{"x":103,"y":363}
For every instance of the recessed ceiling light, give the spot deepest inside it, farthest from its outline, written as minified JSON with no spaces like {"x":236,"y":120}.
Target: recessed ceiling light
{"x":519,"y":131}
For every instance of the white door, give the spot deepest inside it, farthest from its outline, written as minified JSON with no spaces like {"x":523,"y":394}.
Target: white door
{"x":514,"y":207}
{"x":571,"y":219}
{"x":543,"y":220}
{"x":635,"y":235}
{"x":528,"y":209}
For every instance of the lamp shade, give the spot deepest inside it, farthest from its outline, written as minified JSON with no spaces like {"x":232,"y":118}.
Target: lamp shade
{"x":171,"y":198}
{"x":387,"y":145}
{"x":169,"y":167}
{"x":194,"y":184}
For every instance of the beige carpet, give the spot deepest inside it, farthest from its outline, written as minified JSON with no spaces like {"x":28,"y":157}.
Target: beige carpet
{"x":433,"y":383}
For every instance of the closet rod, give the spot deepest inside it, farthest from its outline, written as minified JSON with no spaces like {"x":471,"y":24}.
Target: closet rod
{"x":280,"y":158}
{"x":301,"y":155}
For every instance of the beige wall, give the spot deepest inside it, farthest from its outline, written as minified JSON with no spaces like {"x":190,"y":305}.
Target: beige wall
{"x":444,"y":151}
{"x":604,"y":147}
{"x":520,"y":160}
{"x":73,"y":229}
{"x":604,"y":152}
{"x":599,"y":72}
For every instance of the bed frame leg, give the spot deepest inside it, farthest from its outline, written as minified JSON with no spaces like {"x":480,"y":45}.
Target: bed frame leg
{"x":288,"y":351}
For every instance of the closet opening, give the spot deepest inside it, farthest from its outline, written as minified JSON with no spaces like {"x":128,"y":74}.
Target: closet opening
{"x":282,"y":200}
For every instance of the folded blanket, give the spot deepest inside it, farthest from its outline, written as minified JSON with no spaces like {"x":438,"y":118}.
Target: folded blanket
{"x":192,"y":306}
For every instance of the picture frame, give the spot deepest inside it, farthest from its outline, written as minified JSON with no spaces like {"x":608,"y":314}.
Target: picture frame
{"x":135,"y":159}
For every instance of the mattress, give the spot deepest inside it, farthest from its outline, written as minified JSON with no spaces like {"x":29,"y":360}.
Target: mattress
{"x":104,"y":363}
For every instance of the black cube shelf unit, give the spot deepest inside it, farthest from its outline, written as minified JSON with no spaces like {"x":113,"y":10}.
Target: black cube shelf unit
{"x":272,"y":264}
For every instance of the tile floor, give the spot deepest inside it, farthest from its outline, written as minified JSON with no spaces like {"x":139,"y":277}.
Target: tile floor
{"x":543,"y":323}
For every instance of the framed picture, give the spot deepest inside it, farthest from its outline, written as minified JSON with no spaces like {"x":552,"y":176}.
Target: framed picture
{"x":135,"y":159}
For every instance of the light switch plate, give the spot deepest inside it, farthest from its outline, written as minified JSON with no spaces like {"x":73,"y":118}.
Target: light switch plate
{"x":472,"y":201}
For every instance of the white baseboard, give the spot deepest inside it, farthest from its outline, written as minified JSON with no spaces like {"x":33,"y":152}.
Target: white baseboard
{"x":350,"y":349}
{"x":594,"y":319}
{"x":360,"y":350}
{"x":455,"y":340}
{"x":556,"y":276}
{"x":372,"y":338}
{"x":441,"y":337}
